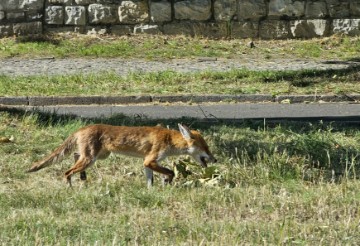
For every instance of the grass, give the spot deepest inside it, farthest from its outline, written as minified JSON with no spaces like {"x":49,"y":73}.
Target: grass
{"x":288,"y":183}
{"x":170,"y":82}
{"x":168,"y":47}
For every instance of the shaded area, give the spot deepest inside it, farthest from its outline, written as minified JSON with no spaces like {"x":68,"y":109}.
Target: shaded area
{"x":40,"y":38}
{"x":309,"y":77}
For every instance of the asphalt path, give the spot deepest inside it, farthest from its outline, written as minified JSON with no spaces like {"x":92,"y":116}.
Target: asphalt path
{"x":213,"y":112}
{"x":343,"y":111}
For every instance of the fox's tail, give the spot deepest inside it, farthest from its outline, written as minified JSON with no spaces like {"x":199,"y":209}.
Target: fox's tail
{"x":57,"y":155}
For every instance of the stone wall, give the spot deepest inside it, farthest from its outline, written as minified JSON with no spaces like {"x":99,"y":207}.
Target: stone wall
{"x":265,"y":19}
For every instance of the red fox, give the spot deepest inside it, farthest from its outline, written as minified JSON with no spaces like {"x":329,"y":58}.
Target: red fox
{"x":95,"y":142}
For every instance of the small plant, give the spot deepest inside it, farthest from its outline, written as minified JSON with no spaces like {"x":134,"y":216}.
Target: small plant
{"x":188,"y":173}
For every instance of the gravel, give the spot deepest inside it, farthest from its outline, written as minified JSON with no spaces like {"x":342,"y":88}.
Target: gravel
{"x":52,"y":66}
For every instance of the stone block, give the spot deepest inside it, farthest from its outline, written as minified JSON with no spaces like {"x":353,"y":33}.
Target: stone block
{"x":224,"y":10}
{"x":253,"y":98}
{"x":346,"y":26}
{"x":66,"y":2}
{"x":160,"y":11}
{"x":133,"y":12}
{"x":75,"y":15}
{"x":122,"y":30}
{"x":2,"y":15}
{"x":54,"y":15}
{"x":245,"y":29}
{"x":338,"y":8}
{"x":10,"y":5}
{"x":124,"y":99}
{"x":61,"y":29}
{"x":15,"y":16}
{"x":274,"y":29}
{"x":27,"y":28}
{"x":148,"y":29}
{"x":178,"y":28}
{"x":97,"y":30}
{"x":213,"y":98}
{"x":32,"y":4}
{"x":80,"y":29}
{"x":6,"y":30}
{"x":42,"y":101}
{"x":296,"y":98}
{"x":289,"y":8}
{"x":14,"y":100}
{"x":109,"y":2}
{"x":251,"y":9}
{"x":210,"y":29}
{"x":316,"y":9}
{"x":86,"y":100}
{"x":69,"y":29}
{"x":355,"y":8}
{"x":339,"y":98}
{"x":85,"y":2}
{"x":202,"y":29}
{"x":171,"y":99}
{"x":33,"y":15}
{"x":309,"y":28}
{"x":102,"y":14}
{"x":196,"y":10}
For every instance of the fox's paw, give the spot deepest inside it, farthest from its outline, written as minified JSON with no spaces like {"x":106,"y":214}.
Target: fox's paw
{"x":167,"y":179}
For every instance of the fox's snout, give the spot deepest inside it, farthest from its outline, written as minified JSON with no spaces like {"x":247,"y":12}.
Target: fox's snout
{"x":204,"y":159}
{"x":210,"y":159}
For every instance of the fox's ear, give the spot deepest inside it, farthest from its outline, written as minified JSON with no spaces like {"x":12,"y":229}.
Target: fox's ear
{"x":185,"y":132}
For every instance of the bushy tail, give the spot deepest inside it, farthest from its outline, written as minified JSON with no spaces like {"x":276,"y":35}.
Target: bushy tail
{"x":58,"y":154}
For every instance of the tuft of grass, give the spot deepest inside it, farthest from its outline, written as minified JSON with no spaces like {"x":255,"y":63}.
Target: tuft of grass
{"x":289,"y":183}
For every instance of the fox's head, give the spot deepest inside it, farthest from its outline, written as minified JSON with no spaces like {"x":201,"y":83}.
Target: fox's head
{"x":197,"y":146}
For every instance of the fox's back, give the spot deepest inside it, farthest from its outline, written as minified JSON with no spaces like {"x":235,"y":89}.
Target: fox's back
{"x":134,"y":141}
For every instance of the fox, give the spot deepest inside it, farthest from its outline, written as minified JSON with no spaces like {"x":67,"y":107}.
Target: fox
{"x":153,"y":144}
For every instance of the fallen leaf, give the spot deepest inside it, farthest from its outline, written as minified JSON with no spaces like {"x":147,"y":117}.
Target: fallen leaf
{"x":6,"y":139}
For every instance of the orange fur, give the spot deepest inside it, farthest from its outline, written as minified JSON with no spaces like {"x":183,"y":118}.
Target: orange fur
{"x":95,"y":142}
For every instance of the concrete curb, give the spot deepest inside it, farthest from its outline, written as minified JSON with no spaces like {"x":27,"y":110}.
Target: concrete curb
{"x":111,"y":100}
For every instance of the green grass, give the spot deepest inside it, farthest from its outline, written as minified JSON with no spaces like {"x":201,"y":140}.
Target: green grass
{"x":288,"y":183}
{"x":147,"y":47}
{"x":168,"y":47}
{"x":170,"y":82}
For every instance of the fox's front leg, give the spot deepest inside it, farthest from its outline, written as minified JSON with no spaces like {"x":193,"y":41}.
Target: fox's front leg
{"x":151,"y":163}
{"x":149,"y":177}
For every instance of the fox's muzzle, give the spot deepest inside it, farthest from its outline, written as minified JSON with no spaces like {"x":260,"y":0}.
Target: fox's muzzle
{"x":205,"y":159}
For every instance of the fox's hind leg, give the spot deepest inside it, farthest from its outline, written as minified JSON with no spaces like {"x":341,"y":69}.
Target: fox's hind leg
{"x":82,"y":173}
{"x":80,"y":165}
